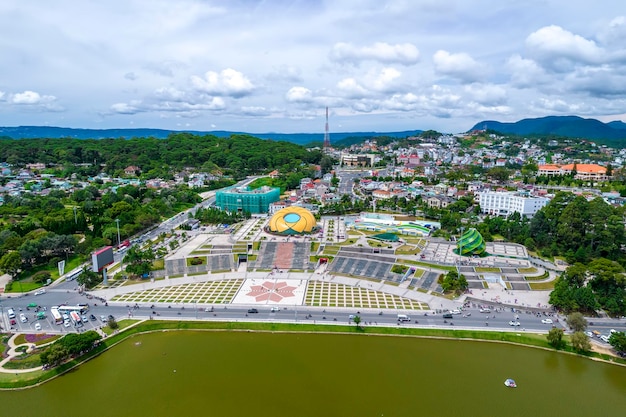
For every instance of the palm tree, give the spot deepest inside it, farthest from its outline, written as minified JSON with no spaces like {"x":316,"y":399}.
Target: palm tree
{"x":357,"y":321}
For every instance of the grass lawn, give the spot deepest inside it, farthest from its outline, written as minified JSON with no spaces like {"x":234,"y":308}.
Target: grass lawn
{"x":479,"y":269}
{"x":541,"y":285}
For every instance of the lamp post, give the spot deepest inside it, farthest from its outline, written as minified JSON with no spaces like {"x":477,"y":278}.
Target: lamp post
{"x":118,"y":232}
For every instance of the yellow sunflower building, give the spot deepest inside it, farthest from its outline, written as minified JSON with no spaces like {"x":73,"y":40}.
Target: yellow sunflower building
{"x":292,"y":221}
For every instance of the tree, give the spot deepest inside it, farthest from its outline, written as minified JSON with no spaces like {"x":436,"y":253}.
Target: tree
{"x":10,"y":263}
{"x":555,"y":337}
{"x":618,"y":341}
{"x":580,"y":342}
{"x":112,"y":323}
{"x":88,"y":278}
{"x":577,"y":322}
{"x":357,"y":321}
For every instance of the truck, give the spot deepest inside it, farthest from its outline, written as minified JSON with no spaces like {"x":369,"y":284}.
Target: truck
{"x":75,"y":317}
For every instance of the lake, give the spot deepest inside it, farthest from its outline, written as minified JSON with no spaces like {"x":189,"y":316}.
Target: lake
{"x":263,"y":374}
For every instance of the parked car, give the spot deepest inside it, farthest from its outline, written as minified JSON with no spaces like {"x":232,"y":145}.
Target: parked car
{"x":66,"y":323}
{"x":23,"y":318}
{"x":38,"y":326}
{"x":514,"y":323}
{"x":604,"y":338}
{"x":84,"y":317}
{"x":13,"y":322}
{"x":92,"y":317}
{"x":103,"y":318}
{"x":546,"y":321}
{"x":589,"y":334}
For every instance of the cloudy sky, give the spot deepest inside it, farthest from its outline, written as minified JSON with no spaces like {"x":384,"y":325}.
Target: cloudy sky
{"x":274,"y":65}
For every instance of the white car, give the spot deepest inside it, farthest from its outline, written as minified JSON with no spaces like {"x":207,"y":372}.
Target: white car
{"x":604,"y":338}
{"x":66,"y":323}
{"x":514,"y":323}
{"x":23,"y":318}
{"x":485,"y":310}
{"x":39,"y":292}
{"x":546,"y":321}
{"x":38,"y":326}
{"x":456,"y":311}
{"x":274,"y":310}
{"x":589,"y":334}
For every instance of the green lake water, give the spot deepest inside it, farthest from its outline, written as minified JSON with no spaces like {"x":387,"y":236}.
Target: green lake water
{"x":292,"y":375}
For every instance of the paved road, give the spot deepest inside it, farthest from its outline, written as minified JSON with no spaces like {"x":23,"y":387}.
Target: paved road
{"x":469,"y":318}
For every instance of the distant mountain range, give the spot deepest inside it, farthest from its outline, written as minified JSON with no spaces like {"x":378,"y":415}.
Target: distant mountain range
{"x":29,"y":132}
{"x":568,"y":126}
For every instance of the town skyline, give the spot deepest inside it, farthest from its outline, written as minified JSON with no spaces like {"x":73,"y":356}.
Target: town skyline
{"x":275,"y":66}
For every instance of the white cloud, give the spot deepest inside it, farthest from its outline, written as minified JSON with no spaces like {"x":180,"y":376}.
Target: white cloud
{"x":460,"y":66}
{"x":486,"y":94}
{"x":405,"y":53}
{"x":558,"y":49}
{"x":299,"y":95}
{"x":525,"y":73}
{"x":228,"y":82}
{"x":31,"y":97}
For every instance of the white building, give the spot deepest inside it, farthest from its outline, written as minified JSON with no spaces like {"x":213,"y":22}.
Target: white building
{"x":505,"y":203}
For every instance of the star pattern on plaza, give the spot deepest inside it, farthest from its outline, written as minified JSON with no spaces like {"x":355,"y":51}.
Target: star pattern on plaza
{"x":271,"y":291}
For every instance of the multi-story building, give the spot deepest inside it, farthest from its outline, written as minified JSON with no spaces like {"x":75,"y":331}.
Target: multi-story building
{"x":501,"y":203}
{"x":590,"y":172}
{"x":244,"y":199}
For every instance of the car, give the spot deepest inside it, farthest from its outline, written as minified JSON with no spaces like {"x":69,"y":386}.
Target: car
{"x":23,"y":318}
{"x":274,"y":310}
{"x":546,"y":321}
{"x":111,"y":317}
{"x":13,"y":322}
{"x":92,"y":317}
{"x":39,"y":292}
{"x":514,"y":323}
{"x":589,"y":334}
{"x":253,"y":310}
{"x":66,"y":323}
{"x":447,"y":316}
{"x":84,"y":317}
{"x":456,"y":311}
{"x":103,"y":318}
{"x":66,"y":316}
{"x":485,"y":310}
{"x":604,"y":338}
{"x":38,"y":326}
{"x":612,"y":331}
{"x":351,"y":317}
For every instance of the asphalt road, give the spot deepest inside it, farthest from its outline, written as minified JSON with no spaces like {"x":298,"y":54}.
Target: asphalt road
{"x":471,"y":318}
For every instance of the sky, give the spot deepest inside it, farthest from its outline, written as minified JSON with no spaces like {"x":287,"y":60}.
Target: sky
{"x":275,"y":65}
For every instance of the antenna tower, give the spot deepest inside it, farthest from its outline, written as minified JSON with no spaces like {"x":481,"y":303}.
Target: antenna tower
{"x":326,"y":133}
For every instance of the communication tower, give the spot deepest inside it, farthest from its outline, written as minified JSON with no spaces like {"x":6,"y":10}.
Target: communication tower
{"x":326,"y":133}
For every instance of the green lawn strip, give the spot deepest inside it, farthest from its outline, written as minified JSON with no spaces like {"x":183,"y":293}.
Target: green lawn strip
{"x":427,"y":265}
{"x":537,"y":277}
{"x":541,"y":285}
{"x":483,"y":269}
{"x":530,"y":270}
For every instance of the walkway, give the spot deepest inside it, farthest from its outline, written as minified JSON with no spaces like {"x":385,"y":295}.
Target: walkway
{"x":13,"y":353}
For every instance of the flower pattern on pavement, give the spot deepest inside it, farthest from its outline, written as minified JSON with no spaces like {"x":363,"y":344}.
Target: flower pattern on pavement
{"x":271,"y":291}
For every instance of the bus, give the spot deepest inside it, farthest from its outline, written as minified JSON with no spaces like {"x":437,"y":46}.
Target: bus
{"x":56,"y":316}
{"x":80,"y":308}
{"x":75,"y":318}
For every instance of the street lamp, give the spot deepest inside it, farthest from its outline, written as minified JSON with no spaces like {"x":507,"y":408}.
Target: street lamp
{"x":118,"y":232}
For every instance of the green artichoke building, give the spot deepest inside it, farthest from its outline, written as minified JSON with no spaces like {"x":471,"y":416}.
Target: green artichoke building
{"x":471,"y":243}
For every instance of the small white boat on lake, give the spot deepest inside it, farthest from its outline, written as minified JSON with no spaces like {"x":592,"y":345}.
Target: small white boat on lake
{"x":510,"y":383}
